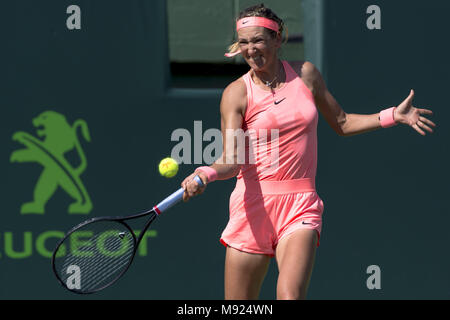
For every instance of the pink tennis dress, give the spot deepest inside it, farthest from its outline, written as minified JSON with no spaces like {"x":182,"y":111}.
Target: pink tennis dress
{"x":275,"y":192}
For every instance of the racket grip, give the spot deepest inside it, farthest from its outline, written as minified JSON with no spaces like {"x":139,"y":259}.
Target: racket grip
{"x":174,"y":198}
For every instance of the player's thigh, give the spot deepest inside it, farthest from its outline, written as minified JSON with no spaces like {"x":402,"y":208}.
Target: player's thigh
{"x":244,"y":274}
{"x":295,"y":256}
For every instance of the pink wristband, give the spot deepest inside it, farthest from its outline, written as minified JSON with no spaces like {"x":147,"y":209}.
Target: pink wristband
{"x":387,"y":118}
{"x":210,"y":173}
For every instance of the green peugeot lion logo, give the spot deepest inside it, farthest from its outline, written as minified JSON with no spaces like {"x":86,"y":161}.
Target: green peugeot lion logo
{"x":58,"y":138}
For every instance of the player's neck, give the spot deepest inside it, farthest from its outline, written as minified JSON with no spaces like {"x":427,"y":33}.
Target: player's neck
{"x":270,"y":77}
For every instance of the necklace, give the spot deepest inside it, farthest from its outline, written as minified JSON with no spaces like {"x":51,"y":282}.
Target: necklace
{"x":269,"y":84}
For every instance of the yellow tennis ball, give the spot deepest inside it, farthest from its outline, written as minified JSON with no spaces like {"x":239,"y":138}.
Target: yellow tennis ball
{"x":168,"y":167}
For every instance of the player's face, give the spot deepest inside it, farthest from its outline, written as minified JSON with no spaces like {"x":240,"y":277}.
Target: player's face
{"x":258,"y":47}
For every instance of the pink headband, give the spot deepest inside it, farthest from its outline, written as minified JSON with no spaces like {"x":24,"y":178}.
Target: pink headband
{"x":257,"y":22}
{"x":253,"y":22}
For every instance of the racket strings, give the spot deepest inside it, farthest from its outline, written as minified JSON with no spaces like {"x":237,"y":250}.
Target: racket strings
{"x":95,"y":256}
{"x":96,"y":270}
{"x":99,"y":273}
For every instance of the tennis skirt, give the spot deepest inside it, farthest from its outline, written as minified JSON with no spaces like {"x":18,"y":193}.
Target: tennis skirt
{"x":264,"y":212}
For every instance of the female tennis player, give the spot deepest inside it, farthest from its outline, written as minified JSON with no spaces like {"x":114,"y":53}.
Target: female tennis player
{"x":274,"y":208}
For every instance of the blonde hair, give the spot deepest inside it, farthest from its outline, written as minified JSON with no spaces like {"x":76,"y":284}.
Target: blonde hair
{"x":261,"y":11}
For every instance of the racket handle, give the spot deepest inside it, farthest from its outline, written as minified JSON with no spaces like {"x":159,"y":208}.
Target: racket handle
{"x":174,"y":198}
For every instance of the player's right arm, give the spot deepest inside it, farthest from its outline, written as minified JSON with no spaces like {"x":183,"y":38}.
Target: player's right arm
{"x":232,"y":110}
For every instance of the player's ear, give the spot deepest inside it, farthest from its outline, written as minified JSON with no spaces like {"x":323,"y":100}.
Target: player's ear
{"x":278,"y":40}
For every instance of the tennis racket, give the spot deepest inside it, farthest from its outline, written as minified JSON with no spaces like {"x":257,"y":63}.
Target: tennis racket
{"x":96,"y":253}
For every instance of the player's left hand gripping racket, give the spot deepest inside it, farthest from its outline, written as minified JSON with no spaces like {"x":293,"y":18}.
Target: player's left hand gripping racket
{"x":96,"y":253}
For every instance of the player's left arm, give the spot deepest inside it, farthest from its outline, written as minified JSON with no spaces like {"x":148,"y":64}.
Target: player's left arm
{"x":349,"y":124}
